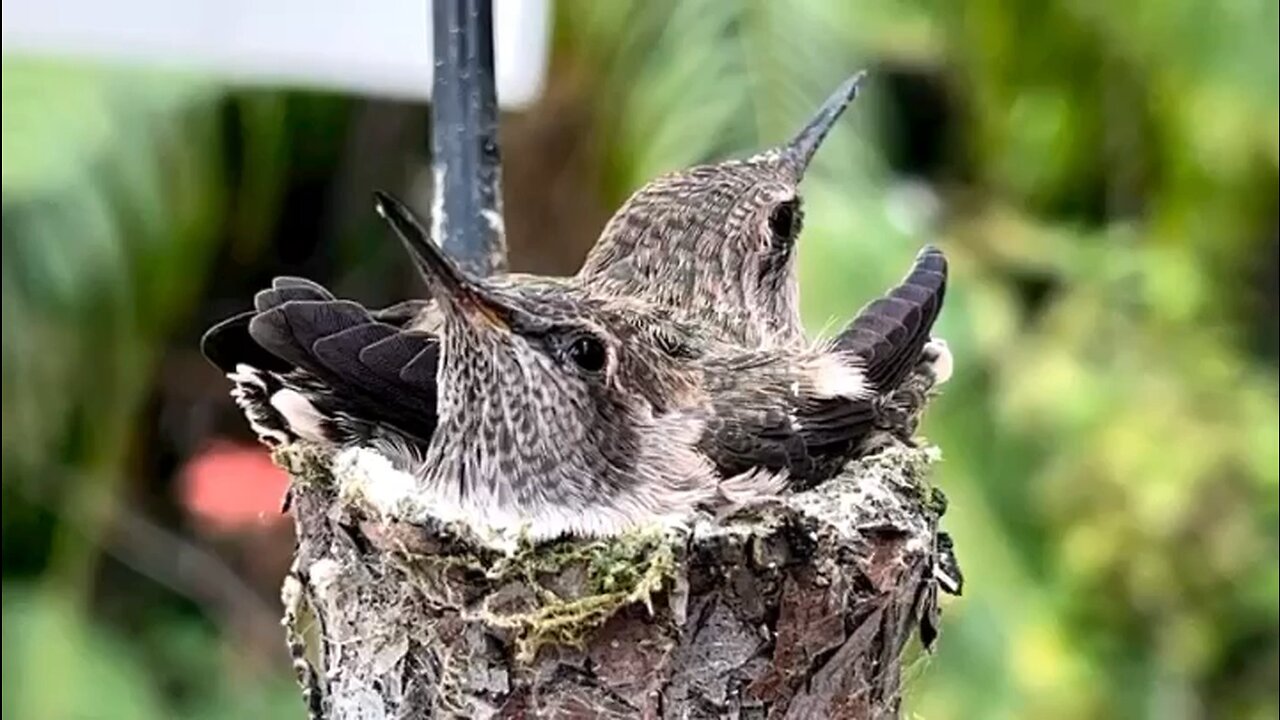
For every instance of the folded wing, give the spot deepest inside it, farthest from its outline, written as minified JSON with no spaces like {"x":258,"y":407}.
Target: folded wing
{"x":345,"y":360}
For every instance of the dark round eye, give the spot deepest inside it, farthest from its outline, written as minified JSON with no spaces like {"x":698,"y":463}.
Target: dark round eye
{"x":588,"y":353}
{"x":782,"y":221}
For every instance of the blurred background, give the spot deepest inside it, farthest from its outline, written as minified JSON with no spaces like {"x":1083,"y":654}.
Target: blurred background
{"x":1103,"y":176}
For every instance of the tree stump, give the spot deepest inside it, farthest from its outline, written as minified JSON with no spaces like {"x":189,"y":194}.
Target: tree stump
{"x":801,"y":608}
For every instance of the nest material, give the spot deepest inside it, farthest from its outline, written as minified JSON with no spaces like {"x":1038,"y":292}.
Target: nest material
{"x":801,"y":608}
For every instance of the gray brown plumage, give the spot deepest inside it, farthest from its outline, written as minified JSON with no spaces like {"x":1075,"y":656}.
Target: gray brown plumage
{"x":716,"y":383}
{"x":716,"y":243}
{"x":713,"y":244}
{"x":561,"y":409}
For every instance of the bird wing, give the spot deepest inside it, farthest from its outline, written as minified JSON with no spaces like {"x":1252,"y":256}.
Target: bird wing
{"x":889,"y":334}
{"x":765,"y":415}
{"x":769,"y":409}
{"x":885,"y":340}
{"x":343,"y":357}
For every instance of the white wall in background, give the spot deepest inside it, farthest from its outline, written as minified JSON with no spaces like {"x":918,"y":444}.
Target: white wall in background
{"x":381,"y":47}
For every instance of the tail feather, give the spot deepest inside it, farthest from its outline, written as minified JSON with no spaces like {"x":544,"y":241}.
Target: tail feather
{"x":252,"y":390}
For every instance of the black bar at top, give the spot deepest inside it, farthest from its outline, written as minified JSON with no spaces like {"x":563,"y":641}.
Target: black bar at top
{"x":467,"y":210}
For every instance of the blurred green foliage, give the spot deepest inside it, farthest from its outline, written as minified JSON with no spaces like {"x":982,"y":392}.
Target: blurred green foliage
{"x":59,"y":665}
{"x":107,"y":192}
{"x":111,"y":187}
{"x":1107,"y":191}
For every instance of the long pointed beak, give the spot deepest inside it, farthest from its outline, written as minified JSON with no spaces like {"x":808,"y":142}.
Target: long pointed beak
{"x":800,"y":150}
{"x":448,"y":283}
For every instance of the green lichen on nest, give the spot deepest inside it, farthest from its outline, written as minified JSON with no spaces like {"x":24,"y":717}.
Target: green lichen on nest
{"x":305,"y":463}
{"x":551,"y":593}
{"x":618,"y":572}
{"x":607,"y":574}
{"x":559,"y":592}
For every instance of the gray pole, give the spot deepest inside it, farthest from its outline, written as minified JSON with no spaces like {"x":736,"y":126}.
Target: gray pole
{"x":467,"y":208}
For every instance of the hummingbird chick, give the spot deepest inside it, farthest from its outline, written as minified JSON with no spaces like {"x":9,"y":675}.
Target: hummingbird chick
{"x":556,"y":409}
{"x":712,"y":245}
{"x":566,"y":411}
{"x":710,"y":249}
{"x":716,"y":243}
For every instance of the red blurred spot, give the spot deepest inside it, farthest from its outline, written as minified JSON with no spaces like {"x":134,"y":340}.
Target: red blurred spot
{"x":231,"y":486}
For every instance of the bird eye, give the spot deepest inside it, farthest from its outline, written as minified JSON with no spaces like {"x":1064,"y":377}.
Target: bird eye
{"x":782,"y":221}
{"x":588,"y":353}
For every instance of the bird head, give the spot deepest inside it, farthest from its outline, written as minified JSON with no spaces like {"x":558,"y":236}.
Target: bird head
{"x":719,"y":239}
{"x":570,"y":411}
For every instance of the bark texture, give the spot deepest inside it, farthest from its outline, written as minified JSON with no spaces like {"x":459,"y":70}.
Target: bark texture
{"x":799,"y":609}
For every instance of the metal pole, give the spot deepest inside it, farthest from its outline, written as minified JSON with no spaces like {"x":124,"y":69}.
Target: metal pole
{"x":467,"y":208}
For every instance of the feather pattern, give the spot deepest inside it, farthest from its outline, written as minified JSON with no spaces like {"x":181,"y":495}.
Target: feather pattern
{"x":670,"y":373}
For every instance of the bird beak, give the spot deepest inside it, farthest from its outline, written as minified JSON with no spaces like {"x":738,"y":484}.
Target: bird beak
{"x":453,"y":288}
{"x":799,"y":152}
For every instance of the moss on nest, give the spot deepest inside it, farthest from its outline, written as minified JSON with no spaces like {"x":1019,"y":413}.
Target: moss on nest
{"x":558,"y":592}
{"x":305,"y":463}
{"x":617,"y":572}
{"x":563,"y":589}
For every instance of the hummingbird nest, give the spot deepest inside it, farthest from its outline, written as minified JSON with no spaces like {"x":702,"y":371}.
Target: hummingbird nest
{"x":800,"y":607}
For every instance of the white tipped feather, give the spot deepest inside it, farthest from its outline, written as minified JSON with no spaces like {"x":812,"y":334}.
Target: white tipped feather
{"x":834,"y":375}
{"x":940,"y":360}
{"x":303,"y":417}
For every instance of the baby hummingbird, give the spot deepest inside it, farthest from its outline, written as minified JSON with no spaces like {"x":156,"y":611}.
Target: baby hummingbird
{"x":558,"y":409}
